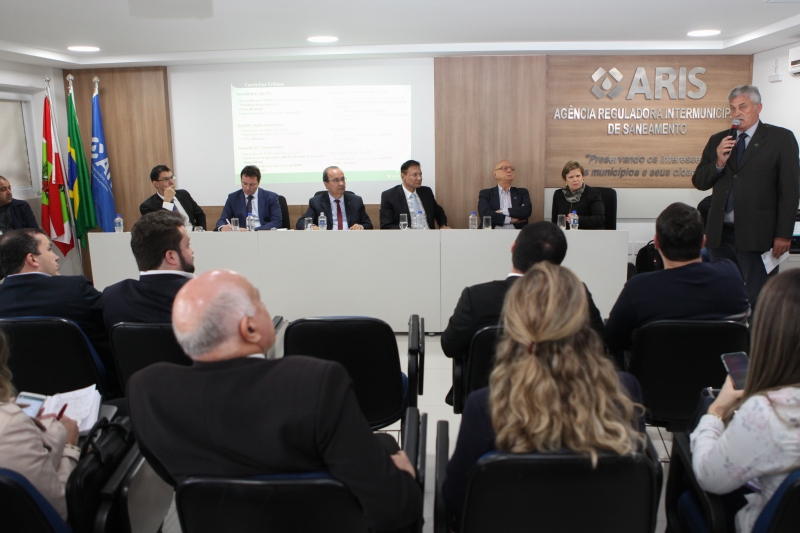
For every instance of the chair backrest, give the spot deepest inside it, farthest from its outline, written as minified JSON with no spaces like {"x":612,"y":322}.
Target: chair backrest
{"x":273,"y":504}
{"x":137,"y":346}
{"x":23,"y":508}
{"x":481,"y":358}
{"x":284,"y":212}
{"x":782,"y":512}
{"x":609,"y":197}
{"x":51,"y":355}
{"x":562,"y":492}
{"x":674,"y":359}
{"x":367,"y":348}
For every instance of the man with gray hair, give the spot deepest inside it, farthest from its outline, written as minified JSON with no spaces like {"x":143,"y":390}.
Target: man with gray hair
{"x":756,"y":180}
{"x":235,"y":413}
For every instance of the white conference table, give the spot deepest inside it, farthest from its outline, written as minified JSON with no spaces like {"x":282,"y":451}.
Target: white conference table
{"x":384,"y":274}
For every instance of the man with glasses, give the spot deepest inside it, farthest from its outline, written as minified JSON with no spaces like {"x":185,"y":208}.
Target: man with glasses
{"x":410,"y":198}
{"x":14,"y":214}
{"x":508,"y":206}
{"x":169,"y":198}
{"x":344,"y":210}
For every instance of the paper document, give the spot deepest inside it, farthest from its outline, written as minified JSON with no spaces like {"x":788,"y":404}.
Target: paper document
{"x":770,"y":262}
{"x":83,"y":406}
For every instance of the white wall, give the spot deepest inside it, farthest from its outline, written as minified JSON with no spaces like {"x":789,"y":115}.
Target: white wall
{"x":782,"y":99}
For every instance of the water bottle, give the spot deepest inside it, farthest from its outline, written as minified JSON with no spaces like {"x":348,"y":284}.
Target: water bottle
{"x":118,"y":227}
{"x":251,"y":222}
{"x":421,"y":221}
{"x":323,"y":221}
{"x":473,"y":221}
{"x":573,"y":220}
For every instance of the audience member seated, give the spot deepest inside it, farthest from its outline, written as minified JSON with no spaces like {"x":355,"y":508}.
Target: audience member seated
{"x":172,"y":199}
{"x":509,"y":207}
{"x":261,"y":203}
{"x":579,"y":197}
{"x":14,"y":214}
{"x":234,"y":413}
{"x":160,"y":244}
{"x":348,"y":211}
{"x":410,"y":198}
{"x":552,"y":388}
{"x":752,"y":436}
{"x":42,"y":449}
{"x":687,"y":288}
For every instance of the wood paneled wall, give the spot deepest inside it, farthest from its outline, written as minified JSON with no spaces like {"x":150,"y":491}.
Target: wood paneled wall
{"x":487,"y":109}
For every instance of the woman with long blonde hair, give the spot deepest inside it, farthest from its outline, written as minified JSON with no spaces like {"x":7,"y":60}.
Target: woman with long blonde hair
{"x":552,"y":387}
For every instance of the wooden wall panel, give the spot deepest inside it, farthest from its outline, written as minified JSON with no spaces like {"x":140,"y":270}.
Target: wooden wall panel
{"x":487,"y":109}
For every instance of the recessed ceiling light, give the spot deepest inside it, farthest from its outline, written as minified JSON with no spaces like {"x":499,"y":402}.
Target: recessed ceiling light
{"x":83,"y":48}
{"x":703,"y":33}
{"x":323,"y":39}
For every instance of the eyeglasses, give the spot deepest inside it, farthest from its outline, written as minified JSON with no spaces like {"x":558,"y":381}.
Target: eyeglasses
{"x":337,"y":181}
{"x":166,"y":180}
{"x":506,"y":169}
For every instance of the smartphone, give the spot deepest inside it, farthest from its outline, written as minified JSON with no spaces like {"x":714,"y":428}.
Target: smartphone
{"x":736,"y":364}
{"x":30,"y":402}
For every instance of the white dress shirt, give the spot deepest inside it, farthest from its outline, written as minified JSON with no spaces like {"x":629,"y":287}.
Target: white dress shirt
{"x":334,"y":218}
{"x":254,"y":210}
{"x":412,"y":223}
{"x":168,"y":206}
{"x":154,"y":272}
{"x":505,"y":205}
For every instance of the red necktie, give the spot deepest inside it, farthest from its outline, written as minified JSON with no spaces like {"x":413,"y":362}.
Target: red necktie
{"x":338,"y":216}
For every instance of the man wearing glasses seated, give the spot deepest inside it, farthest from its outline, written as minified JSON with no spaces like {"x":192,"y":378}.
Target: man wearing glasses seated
{"x":14,"y":214}
{"x":508,"y":206}
{"x":343,"y":211}
{"x":169,"y":198}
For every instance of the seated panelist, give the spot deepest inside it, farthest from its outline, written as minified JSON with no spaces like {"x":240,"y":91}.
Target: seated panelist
{"x":508,"y":206}
{"x":172,"y":199}
{"x":343,"y":211}
{"x":410,"y":198}
{"x":263,"y":204}
{"x":579,"y":197}
{"x":14,"y":214}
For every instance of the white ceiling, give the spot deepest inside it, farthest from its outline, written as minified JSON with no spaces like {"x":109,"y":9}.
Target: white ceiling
{"x":168,"y":32}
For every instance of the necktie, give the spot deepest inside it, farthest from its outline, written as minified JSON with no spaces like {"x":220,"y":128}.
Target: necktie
{"x":174,"y":207}
{"x":740,"y":146}
{"x":416,"y":207}
{"x":249,"y":204}
{"x":338,"y":215}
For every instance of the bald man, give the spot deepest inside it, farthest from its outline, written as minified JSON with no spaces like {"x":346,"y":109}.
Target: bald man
{"x":234,"y":413}
{"x":14,"y":214}
{"x":509,"y":207}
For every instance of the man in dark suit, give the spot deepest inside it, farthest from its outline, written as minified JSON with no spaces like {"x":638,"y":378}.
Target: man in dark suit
{"x":171,"y":199}
{"x":263,"y":204}
{"x":410,"y":198}
{"x":344,"y":210}
{"x":508,"y":206}
{"x":160,"y":245}
{"x":234,"y":413}
{"x":754,"y":177}
{"x":14,"y":214}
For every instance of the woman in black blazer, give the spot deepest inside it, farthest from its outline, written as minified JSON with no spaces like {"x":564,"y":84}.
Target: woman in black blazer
{"x":579,"y":197}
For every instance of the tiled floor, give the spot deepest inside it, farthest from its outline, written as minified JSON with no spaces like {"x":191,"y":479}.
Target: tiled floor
{"x":438,"y":378}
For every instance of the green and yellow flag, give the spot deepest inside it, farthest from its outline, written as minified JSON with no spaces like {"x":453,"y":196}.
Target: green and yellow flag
{"x":79,"y":181}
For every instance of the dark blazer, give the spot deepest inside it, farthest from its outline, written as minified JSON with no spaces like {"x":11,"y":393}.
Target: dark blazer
{"x":480,"y":306}
{"x":353,"y":209}
{"x":196,"y":215}
{"x":246,"y":417}
{"x":489,"y":203}
{"x":591,"y":210}
{"x":766,"y":194}
{"x":21,"y":215}
{"x":145,"y":300}
{"x":393,"y":204}
{"x":269,"y":209}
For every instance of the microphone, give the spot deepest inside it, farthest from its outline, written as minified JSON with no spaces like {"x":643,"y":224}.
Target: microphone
{"x":735,"y":123}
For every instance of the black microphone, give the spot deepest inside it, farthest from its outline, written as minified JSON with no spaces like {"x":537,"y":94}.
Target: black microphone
{"x":735,"y":123}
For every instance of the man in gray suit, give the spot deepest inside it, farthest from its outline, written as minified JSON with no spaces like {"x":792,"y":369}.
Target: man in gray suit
{"x":756,"y":190}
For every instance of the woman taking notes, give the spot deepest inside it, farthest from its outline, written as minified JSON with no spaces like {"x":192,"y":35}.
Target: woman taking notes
{"x":579,"y":197}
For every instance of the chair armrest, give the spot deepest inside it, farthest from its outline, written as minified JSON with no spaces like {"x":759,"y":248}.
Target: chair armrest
{"x":458,"y":384}
{"x":712,"y":505}
{"x":413,"y":360}
{"x":442,"y":452}
{"x":421,"y":349}
{"x":278,"y":322}
{"x":421,"y":450}
{"x":410,"y":434}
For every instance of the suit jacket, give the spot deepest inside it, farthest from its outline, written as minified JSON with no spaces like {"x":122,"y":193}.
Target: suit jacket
{"x":353,"y":209}
{"x":489,"y":203}
{"x":393,"y":204}
{"x":590,"y":209}
{"x":247,"y":417}
{"x":269,"y":209}
{"x":144,"y":300}
{"x":21,"y":215}
{"x":196,"y":215}
{"x":766,"y":193}
{"x":480,"y":306}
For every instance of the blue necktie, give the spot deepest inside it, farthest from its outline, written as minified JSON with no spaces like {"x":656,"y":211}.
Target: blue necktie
{"x":174,"y":207}
{"x":740,"y":146}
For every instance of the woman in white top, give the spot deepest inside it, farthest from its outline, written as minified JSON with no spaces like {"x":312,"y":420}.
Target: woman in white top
{"x":753,"y":436}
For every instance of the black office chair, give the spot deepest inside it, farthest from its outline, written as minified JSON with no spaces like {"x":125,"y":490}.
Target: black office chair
{"x":675,"y":359}
{"x":609,"y":197}
{"x":137,"y":346}
{"x":23,"y":508}
{"x":367,"y":348}
{"x":284,"y":212}
{"x":52,"y":355}
{"x":472,"y":373}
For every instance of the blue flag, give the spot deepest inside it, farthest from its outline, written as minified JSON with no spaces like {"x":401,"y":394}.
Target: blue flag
{"x":101,"y":177}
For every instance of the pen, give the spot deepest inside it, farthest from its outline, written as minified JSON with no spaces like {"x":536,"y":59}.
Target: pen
{"x":61,"y":412}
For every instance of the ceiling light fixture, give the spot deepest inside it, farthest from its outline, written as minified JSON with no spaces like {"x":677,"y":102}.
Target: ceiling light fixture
{"x":323,"y":39}
{"x":83,"y":49}
{"x":703,"y":33}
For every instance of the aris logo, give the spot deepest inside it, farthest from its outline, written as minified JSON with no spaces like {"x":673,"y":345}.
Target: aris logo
{"x":664,"y":80}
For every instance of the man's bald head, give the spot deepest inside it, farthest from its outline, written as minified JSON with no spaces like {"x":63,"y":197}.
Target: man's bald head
{"x":219,"y":315}
{"x":504,"y":173}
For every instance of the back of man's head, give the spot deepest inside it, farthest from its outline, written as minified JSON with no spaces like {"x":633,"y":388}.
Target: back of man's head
{"x":153,"y":235}
{"x":540,"y":241}
{"x":15,"y":246}
{"x":679,"y":230}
